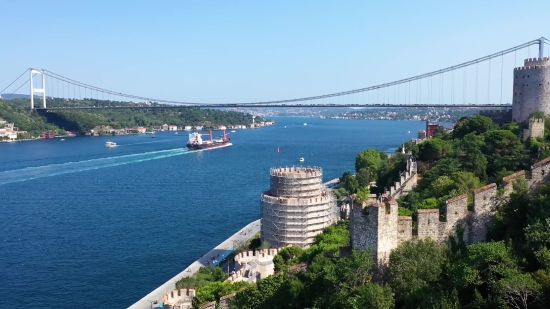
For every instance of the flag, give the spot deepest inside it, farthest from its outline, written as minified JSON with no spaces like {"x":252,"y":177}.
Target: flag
{"x":278,"y":150}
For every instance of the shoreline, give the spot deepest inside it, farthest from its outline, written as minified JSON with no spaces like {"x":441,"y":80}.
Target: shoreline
{"x":224,"y":248}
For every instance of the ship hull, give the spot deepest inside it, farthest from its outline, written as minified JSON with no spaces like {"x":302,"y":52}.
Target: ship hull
{"x":206,"y":146}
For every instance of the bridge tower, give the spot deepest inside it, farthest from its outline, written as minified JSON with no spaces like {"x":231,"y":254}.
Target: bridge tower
{"x":531,"y":87}
{"x":38,"y":90}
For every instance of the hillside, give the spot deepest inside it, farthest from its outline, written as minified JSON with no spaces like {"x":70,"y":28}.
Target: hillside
{"x":84,"y":120}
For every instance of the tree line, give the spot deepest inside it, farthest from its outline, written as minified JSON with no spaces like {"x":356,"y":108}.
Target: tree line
{"x":85,"y":120}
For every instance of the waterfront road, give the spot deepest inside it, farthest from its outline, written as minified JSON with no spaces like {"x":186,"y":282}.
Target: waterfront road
{"x":220,"y":251}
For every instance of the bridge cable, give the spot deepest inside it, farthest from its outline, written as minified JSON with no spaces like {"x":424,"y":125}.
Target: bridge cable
{"x":477,"y":69}
{"x":385,"y":85}
{"x":464,"y":86}
{"x":501,"y":74}
{"x":489,"y":84}
{"x":14,"y":80}
{"x":21,"y":86}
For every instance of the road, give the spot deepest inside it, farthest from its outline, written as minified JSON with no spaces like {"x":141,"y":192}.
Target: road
{"x":219,"y":252}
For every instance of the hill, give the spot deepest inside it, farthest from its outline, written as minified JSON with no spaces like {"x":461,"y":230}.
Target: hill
{"x":13,"y":111}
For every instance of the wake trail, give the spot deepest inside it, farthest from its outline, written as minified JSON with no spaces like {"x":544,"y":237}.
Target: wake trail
{"x":30,"y":173}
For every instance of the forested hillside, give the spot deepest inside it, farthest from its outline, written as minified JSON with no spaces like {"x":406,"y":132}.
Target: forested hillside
{"x":510,"y":270}
{"x":84,"y":120}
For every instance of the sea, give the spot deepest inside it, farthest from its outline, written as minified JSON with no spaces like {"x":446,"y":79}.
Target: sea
{"x":84,"y":226}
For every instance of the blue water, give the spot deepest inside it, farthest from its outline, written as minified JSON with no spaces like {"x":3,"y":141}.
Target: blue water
{"x":84,"y":226}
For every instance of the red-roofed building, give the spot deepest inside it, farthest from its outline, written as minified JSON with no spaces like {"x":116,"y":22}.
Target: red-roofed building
{"x":431,"y":128}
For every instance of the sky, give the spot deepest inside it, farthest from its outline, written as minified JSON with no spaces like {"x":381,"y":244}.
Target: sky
{"x":247,"y":51}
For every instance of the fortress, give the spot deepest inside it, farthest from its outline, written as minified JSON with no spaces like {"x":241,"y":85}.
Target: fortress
{"x":376,"y":224}
{"x":297,"y":207}
{"x":531,"y":88}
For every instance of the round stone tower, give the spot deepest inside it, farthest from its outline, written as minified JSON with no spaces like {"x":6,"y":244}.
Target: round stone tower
{"x":297,"y":207}
{"x":531,"y":88}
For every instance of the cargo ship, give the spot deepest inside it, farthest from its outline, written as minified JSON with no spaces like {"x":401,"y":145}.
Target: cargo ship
{"x":196,"y":142}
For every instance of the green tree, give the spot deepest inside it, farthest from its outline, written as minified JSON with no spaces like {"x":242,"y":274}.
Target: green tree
{"x":367,"y":164}
{"x":413,"y":268}
{"x":503,"y":150}
{"x":433,"y":149}
{"x":476,"y":124}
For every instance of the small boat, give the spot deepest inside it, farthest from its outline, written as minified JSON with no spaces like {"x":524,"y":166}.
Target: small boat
{"x":285,"y":127}
{"x":110,"y":144}
{"x":62,"y":139}
{"x":233,"y":131}
{"x":305,"y":124}
{"x":176,"y":132}
{"x":409,"y":132}
{"x":302,"y":159}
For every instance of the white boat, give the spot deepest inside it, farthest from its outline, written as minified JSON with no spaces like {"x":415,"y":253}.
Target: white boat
{"x":62,"y":139}
{"x":110,"y":144}
{"x":305,"y":124}
{"x":409,"y":132}
{"x":176,"y":132}
{"x":302,"y":159}
{"x":233,"y":131}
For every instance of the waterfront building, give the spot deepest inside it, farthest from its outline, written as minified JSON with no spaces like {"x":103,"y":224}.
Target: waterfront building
{"x":297,"y":207}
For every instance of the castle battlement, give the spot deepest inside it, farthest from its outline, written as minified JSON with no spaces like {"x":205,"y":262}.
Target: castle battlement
{"x":178,"y":298}
{"x":538,"y":120}
{"x":508,"y":179}
{"x":407,"y":180}
{"x":378,"y":226}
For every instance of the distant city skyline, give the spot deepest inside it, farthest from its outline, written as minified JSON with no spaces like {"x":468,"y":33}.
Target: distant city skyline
{"x":244,"y":51}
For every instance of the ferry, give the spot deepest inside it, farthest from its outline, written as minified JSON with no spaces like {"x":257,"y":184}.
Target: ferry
{"x":110,"y":144}
{"x":195,"y":141}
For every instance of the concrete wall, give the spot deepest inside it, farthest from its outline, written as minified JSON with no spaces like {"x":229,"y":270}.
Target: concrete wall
{"x":531,"y":91}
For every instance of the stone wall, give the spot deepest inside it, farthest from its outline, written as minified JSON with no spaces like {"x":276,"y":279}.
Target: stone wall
{"x":535,"y":129}
{"x":376,"y":225}
{"x":407,"y":181}
{"x":484,"y":202}
{"x":498,"y":116}
{"x":540,"y":171}
{"x":177,"y":299}
{"x":404,"y":229}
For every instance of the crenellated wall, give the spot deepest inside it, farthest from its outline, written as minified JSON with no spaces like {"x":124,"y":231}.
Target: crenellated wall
{"x":376,"y":224}
{"x":177,"y":299}
{"x":407,"y":181}
{"x":535,"y":129}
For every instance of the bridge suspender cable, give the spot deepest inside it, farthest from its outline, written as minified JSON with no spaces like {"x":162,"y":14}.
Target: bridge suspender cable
{"x":402,"y":81}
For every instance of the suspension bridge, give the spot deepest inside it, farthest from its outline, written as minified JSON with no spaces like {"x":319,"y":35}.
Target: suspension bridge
{"x":469,"y":84}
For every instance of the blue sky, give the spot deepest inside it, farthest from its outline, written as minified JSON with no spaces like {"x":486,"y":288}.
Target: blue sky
{"x":241,"y":51}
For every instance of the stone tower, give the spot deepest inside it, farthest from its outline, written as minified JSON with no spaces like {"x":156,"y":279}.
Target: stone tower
{"x":297,"y":207}
{"x":531,"y":88}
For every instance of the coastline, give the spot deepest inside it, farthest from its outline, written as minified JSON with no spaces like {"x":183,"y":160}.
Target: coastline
{"x":223,"y":249}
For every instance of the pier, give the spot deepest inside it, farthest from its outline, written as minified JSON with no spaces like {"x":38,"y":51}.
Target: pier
{"x":220,"y":251}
